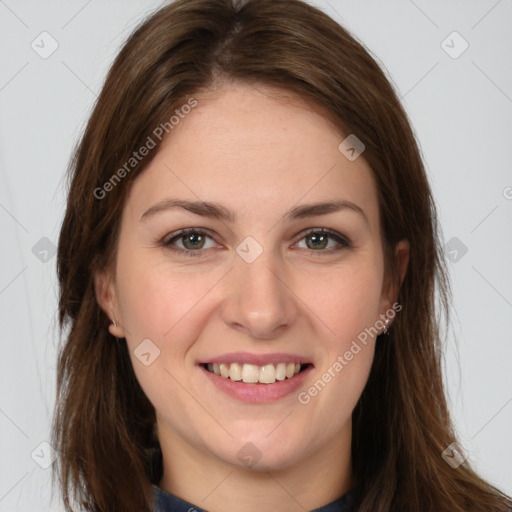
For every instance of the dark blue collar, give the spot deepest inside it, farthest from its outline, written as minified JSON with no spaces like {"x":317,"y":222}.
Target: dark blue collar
{"x":165,"y":502}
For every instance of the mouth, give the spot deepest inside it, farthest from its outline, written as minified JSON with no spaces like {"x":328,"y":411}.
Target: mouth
{"x":257,"y":378}
{"x":257,"y":374}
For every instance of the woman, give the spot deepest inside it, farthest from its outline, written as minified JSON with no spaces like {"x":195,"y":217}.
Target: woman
{"x":248,"y":266}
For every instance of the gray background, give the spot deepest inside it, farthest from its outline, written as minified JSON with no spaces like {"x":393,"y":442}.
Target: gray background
{"x":461,"y":110}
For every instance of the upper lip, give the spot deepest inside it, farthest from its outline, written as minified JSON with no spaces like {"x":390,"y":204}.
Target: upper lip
{"x":256,"y":359}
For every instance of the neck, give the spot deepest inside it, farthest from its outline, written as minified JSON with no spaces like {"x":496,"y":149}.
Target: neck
{"x":208,"y":482}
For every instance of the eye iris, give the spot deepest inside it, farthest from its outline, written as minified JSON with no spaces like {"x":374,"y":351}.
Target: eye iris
{"x":323,"y":240}
{"x":193,"y":238}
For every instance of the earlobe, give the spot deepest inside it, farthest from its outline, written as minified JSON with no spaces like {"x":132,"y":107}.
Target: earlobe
{"x":106,"y":298}
{"x":116,"y":330}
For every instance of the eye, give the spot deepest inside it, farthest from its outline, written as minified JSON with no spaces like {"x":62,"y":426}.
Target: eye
{"x":318,"y":239}
{"x":193,"y":240}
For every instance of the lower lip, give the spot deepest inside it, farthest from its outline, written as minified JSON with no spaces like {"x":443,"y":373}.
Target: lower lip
{"x":258,"y":393}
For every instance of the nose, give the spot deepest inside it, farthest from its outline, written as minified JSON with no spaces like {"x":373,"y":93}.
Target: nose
{"x":258,"y":300}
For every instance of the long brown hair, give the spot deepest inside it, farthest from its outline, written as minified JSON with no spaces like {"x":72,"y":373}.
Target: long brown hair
{"x":103,"y":424}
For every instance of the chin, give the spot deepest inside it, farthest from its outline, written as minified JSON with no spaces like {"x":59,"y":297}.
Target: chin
{"x":263,"y":455}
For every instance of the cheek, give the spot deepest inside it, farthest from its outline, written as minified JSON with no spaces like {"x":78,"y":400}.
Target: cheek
{"x":165,"y":306}
{"x":348,"y":307}
{"x":155,"y":298}
{"x":170,"y":307}
{"x":348,"y":301}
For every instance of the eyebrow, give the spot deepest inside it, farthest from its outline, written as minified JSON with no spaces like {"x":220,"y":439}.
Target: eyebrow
{"x":217,"y":211}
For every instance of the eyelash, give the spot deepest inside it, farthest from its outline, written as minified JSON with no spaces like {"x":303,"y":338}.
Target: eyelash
{"x":344,"y":243}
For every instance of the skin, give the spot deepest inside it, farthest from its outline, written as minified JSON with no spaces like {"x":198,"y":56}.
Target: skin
{"x":259,"y":154}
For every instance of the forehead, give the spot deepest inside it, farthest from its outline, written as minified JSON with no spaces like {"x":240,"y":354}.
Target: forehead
{"x":254,"y":149}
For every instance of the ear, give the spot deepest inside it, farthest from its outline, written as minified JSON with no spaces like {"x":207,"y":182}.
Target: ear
{"x":107,"y":299}
{"x":402,"y":254}
{"x":391,"y":287}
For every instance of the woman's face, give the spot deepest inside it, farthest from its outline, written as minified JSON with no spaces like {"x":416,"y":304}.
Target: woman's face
{"x":252,"y":287}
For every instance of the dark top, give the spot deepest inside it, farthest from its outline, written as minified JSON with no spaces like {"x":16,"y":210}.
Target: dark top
{"x":165,"y":502}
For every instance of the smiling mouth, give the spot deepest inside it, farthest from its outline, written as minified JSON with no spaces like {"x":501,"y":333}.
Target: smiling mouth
{"x":254,"y":374}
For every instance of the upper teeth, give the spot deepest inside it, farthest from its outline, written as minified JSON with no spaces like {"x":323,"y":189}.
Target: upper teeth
{"x":266,"y":374}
